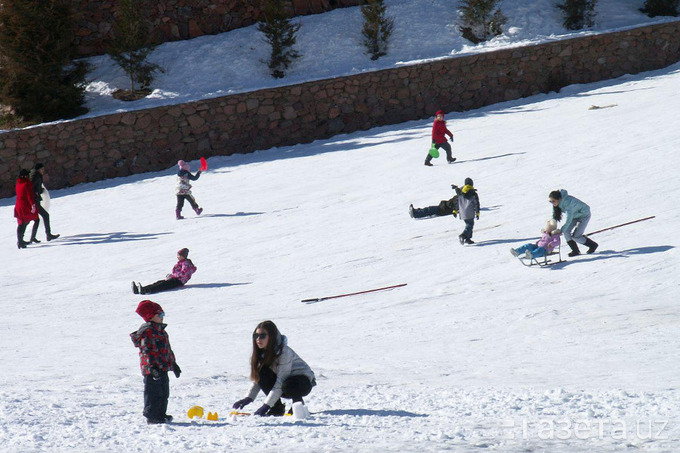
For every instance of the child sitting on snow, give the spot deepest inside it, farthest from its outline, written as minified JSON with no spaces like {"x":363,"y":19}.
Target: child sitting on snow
{"x":181,"y":273}
{"x":549,"y":240}
{"x":184,"y":189}
{"x":445,"y":207}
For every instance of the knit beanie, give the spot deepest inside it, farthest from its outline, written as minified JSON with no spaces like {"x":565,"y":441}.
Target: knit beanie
{"x":468,"y":182}
{"x":183,"y":252}
{"x":38,"y":166}
{"x":183,"y":165}
{"x":148,"y":309}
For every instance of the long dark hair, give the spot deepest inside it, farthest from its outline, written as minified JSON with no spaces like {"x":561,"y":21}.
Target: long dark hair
{"x":266,"y":356}
{"x":557,"y":212}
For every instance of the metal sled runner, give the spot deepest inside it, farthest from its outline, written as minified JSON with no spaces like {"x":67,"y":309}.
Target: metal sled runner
{"x":549,"y":259}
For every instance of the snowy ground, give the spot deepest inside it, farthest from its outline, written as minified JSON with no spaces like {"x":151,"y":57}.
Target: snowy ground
{"x":330,"y":45}
{"x":477,"y":353}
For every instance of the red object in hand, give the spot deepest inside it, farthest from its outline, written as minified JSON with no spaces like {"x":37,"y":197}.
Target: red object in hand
{"x":204,"y":164}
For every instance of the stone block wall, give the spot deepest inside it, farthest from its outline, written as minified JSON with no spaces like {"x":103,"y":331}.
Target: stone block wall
{"x":154,"y":139}
{"x":173,"y":20}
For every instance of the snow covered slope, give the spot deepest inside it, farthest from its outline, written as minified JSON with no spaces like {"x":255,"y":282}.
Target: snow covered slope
{"x":330,"y":45}
{"x":477,"y":352}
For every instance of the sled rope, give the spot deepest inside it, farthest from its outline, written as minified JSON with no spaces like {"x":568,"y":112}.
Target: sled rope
{"x":620,"y":225}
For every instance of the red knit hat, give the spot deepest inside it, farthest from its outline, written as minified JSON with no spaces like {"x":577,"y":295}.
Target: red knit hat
{"x":148,"y":309}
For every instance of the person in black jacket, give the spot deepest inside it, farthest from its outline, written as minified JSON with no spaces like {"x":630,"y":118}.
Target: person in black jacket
{"x":37,"y":174}
{"x":445,"y":207}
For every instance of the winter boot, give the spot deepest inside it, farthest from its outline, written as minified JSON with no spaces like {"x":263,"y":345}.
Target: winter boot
{"x":51,"y":237}
{"x":462,"y":238}
{"x":514,"y":253}
{"x":574,"y":248}
{"x":135,"y":290}
{"x":198,"y":211}
{"x":592,"y":245}
{"x":469,"y":241}
{"x":278,"y":409}
{"x":452,"y":160}
{"x":178,"y":214}
{"x":410,"y":211}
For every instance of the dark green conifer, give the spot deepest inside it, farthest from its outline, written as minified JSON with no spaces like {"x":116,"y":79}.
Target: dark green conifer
{"x":280,"y":33}
{"x":377,"y":28}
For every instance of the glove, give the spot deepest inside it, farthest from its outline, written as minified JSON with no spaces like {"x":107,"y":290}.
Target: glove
{"x":240,"y":404}
{"x":477,"y":215}
{"x":262,"y":411}
{"x":454,"y":187}
{"x":455,"y":213}
{"x":177,"y":370}
{"x":155,"y":374}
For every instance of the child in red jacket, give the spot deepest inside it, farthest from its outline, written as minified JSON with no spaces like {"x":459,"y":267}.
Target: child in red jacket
{"x":155,"y":359}
{"x":439,"y":133}
{"x":181,"y":273}
{"x":25,"y":209}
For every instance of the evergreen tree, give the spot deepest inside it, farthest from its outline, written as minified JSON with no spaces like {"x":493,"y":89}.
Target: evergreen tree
{"x":655,"y":8}
{"x":280,"y":33}
{"x":377,"y":28}
{"x":131,"y":44}
{"x":38,"y":78}
{"x":480,"y":20}
{"x":578,"y":14}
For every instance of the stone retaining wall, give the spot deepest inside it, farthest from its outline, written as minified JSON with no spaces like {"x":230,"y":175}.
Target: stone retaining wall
{"x":154,"y":139}
{"x":172,"y":20}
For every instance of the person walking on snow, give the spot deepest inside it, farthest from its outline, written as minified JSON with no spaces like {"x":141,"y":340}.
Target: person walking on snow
{"x":468,"y":208}
{"x":37,"y":174}
{"x":276,"y":370}
{"x":549,"y":240}
{"x":181,"y":273}
{"x":155,"y":359}
{"x":25,"y":209}
{"x":184,"y":189}
{"x":439,"y":133}
{"x":578,"y":216}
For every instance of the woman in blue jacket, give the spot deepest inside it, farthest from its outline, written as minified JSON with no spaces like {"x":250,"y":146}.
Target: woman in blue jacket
{"x":578,"y":216}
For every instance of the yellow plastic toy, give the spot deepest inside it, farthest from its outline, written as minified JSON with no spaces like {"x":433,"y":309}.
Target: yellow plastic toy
{"x":195,"y":411}
{"x":213,"y":416}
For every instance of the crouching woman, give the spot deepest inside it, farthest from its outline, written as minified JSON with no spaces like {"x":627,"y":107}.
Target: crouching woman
{"x":276,"y":370}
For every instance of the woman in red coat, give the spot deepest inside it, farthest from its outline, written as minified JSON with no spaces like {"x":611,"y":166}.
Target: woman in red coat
{"x":24,"y":210}
{"x":439,"y":133}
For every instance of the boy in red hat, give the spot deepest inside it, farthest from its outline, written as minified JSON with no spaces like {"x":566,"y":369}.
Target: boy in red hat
{"x":181,"y":273}
{"x":156,"y":359}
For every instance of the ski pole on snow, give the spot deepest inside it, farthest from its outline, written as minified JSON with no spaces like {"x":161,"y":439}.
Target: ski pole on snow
{"x":617,"y":226}
{"x":319,"y":299}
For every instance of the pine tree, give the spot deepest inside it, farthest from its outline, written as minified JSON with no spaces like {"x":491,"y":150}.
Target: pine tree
{"x":38,"y":78}
{"x":280,"y":33}
{"x":131,"y":44}
{"x":655,"y":8}
{"x":480,"y":20}
{"x":578,"y":14}
{"x":377,"y":28}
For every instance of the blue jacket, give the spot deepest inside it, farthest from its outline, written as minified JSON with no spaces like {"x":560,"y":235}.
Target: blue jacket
{"x":574,"y":208}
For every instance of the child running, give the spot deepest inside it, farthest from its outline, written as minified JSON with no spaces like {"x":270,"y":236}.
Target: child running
{"x":184,"y":189}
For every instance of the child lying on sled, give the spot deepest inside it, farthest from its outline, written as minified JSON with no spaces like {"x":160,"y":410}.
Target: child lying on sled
{"x":549,"y":240}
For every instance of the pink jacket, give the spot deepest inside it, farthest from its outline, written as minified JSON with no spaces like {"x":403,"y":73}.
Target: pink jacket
{"x":183,"y":270}
{"x":548,"y":241}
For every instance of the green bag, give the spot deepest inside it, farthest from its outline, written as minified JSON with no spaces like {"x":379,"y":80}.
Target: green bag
{"x":434,"y":152}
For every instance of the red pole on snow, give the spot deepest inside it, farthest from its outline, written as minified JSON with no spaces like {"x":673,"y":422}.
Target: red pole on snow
{"x":623,"y":224}
{"x":311,"y":301}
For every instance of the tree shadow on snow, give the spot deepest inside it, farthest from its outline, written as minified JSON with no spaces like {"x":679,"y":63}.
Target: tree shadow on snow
{"x":608,"y":254}
{"x":371,"y":412}
{"x":103,"y":238}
